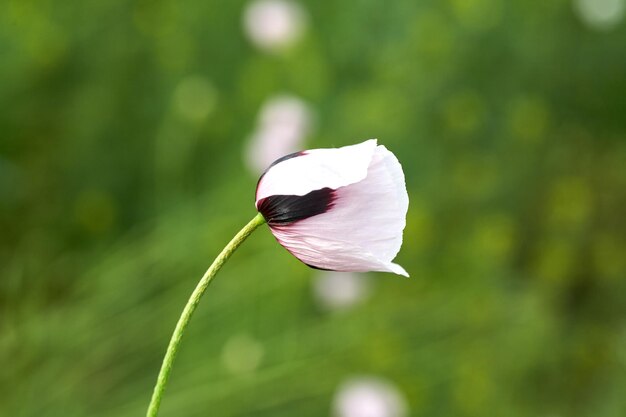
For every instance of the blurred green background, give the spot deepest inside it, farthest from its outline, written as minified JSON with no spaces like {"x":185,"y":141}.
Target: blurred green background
{"x":123,"y":129}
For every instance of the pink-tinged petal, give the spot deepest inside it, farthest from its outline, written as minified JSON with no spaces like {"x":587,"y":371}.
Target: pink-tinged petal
{"x":362,"y":230}
{"x":316,"y":169}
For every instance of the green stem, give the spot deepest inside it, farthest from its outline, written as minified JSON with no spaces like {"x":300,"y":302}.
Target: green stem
{"x":183,"y":321}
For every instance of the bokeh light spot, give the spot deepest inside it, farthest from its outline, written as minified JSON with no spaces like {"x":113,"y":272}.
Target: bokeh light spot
{"x":274,"y":25}
{"x":369,"y":397}
{"x":44,"y":40}
{"x":570,"y":203}
{"x":478,"y":14}
{"x":554,"y":261}
{"x":528,"y":119}
{"x":195,"y":98}
{"x":600,"y":14}
{"x":242,"y":354}
{"x":340,"y":290}
{"x":283,"y":124}
{"x":433,"y":38}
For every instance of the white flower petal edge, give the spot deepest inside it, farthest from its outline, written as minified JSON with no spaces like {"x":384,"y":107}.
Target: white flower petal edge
{"x":362,"y":230}
{"x":316,"y":169}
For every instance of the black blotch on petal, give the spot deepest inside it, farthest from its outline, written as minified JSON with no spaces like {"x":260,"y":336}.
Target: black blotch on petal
{"x":285,"y":209}
{"x":278,"y":161}
{"x":284,"y":158}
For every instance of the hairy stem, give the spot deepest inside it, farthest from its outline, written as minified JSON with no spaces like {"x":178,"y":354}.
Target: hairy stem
{"x":190,"y":307}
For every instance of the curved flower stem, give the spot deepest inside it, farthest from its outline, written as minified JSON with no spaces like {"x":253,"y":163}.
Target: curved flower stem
{"x":172,"y":348}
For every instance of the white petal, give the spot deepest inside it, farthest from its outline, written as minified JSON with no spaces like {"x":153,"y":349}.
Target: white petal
{"x":316,"y":169}
{"x":363,"y":230}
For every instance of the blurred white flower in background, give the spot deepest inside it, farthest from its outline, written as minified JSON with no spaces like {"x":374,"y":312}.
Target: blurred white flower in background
{"x":284,"y":123}
{"x":242,"y":354}
{"x":340,"y":290}
{"x":600,"y":14}
{"x":369,"y":397}
{"x":274,"y":25}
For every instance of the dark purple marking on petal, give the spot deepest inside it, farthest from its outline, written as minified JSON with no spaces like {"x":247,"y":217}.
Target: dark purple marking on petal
{"x":286,"y":209}
{"x":317,"y":267}
{"x":286,"y":157}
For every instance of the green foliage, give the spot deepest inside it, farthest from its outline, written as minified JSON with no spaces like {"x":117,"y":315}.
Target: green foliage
{"x":118,"y":187}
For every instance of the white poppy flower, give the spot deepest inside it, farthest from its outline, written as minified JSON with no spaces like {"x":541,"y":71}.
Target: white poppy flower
{"x":337,"y":209}
{"x":369,"y":397}
{"x":274,"y":25}
{"x":284,"y":123}
{"x":340,"y":290}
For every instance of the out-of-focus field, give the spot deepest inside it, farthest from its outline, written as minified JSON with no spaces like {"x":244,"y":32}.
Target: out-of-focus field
{"x":127,"y":133}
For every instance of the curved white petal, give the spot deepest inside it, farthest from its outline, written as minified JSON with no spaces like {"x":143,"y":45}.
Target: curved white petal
{"x":316,"y":169}
{"x":363,"y":229}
